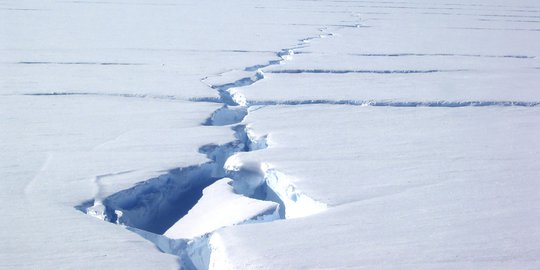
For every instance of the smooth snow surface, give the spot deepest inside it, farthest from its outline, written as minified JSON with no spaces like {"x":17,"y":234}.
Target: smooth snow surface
{"x":270,"y":134}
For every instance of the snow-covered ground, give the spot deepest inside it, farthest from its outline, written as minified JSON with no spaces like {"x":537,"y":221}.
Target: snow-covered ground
{"x":269,"y":134}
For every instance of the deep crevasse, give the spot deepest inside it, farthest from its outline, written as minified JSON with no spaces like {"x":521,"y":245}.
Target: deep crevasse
{"x":148,"y":208}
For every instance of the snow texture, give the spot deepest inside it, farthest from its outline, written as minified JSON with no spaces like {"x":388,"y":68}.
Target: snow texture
{"x":269,"y":134}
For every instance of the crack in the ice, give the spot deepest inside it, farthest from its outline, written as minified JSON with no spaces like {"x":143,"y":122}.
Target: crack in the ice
{"x":494,"y":29}
{"x":251,"y":104}
{"x":257,"y":181}
{"x":227,"y":97}
{"x":375,"y":103}
{"x":153,"y":206}
{"x":368,"y":71}
{"x":441,"y":54}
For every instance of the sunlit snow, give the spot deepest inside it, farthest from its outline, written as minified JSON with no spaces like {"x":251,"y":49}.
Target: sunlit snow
{"x":269,"y":134}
